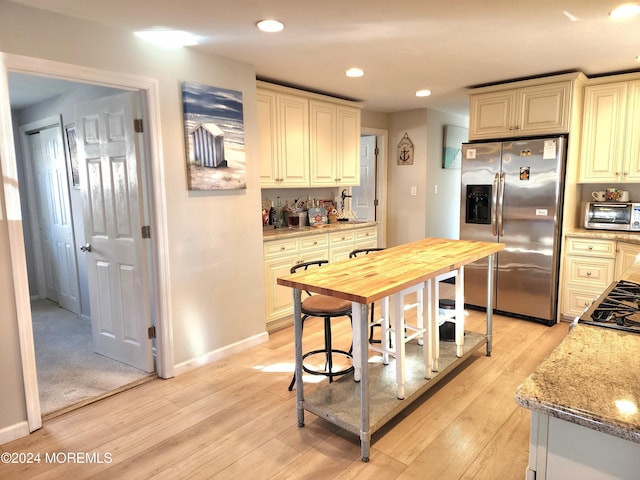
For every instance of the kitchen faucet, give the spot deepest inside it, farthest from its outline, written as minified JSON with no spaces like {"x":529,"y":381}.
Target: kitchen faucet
{"x":343,"y":195}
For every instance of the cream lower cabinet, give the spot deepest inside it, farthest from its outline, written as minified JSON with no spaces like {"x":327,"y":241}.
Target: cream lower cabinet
{"x":626,"y":255}
{"x":281,"y":255}
{"x":589,"y":269}
{"x":341,"y":244}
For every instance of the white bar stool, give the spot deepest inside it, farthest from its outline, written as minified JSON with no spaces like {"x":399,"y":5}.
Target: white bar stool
{"x":397,"y":332}
{"x":434,"y":314}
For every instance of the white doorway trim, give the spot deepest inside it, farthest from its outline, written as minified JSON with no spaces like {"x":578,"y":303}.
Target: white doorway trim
{"x":154,"y":172}
{"x":382,"y":142}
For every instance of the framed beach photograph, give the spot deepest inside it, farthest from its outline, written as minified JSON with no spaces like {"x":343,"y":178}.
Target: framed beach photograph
{"x":214,"y":137}
{"x":452,"y":146}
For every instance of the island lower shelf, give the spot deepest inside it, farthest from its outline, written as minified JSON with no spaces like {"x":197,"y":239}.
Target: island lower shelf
{"x":339,"y":402}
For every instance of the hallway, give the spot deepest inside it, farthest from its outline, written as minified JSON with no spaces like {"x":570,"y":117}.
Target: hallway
{"x":70,"y":374}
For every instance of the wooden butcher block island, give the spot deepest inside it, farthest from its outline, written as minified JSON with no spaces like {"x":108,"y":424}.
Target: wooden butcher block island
{"x":365,"y":406}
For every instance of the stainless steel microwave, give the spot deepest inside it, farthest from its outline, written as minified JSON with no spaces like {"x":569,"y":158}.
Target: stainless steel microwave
{"x":612,"y":216}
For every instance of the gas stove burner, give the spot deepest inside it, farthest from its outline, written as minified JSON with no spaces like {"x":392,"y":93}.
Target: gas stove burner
{"x":618,"y":307}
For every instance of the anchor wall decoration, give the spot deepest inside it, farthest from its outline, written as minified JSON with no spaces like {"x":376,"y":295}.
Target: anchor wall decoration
{"x":405,"y":151}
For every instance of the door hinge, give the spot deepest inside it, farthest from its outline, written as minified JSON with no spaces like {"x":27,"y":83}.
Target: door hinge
{"x":152,"y":332}
{"x":137,"y":125}
{"x":376,"y":151}
{"x":146,"y":231}
{"x":375,"y":202}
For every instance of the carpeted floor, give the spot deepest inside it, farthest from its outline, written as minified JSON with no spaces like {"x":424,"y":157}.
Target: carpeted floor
{"x":69,"y":372}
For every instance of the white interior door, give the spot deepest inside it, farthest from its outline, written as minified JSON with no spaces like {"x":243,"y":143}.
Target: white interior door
{"x":364,"y":196}
{"x":55,"y":224}
{"x":116,"y":267}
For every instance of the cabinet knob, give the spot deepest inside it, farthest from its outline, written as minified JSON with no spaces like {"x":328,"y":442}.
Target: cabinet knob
{"x":590,"y":247}
{"x":588,"y":274}
{"x":281,"y":249}
{"x":315,"y":243}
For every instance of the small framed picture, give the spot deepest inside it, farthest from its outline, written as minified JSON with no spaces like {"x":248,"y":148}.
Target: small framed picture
{"x":73,"y":155}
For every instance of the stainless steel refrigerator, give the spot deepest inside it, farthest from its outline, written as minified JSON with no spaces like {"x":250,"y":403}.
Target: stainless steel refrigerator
{"x":512,"y":193}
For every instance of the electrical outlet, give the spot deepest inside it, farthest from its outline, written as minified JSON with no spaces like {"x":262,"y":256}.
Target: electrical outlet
{"x":414,"y":191}
{"x":435,"y":189}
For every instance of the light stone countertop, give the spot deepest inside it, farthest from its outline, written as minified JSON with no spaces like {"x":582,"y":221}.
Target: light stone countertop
{"x":630,"y":237}
{"x":270,"y":233}
{"x":590,"y":378}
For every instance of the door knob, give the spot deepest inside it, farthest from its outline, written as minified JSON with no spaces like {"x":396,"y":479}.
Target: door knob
{"x":85,"y":248}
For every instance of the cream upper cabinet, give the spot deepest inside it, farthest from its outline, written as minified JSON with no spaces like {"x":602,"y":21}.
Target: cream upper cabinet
{"x":335,"y":144}
{"x":611,"y":133}
{"x":306,"y":139}
{"x":348,"y":145}
{"x":283,"y":130}
{"x":532,"y":110}
{"x":323,"y":127}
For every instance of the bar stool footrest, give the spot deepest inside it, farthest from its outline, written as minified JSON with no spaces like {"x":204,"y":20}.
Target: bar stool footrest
{"x":325,"y":372}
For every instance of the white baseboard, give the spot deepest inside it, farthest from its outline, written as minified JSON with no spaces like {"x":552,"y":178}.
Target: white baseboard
{"x":223,"y":352}
{"x":13,"y":432}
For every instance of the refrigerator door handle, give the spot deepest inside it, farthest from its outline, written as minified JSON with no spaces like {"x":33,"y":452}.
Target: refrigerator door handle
{"x":494,"y":204}
{"x":501,"y":205}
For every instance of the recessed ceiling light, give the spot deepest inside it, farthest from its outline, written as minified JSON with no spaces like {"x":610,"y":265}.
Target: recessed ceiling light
{"x":625,"y":11}
{"x":423,"y":93}
{"x":270,"y":26}
{"x":354,"y":72}
{"x":571,"y":16}
{"x":168,"y":38}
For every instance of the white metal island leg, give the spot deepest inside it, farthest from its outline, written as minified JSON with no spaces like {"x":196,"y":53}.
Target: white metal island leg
{"x":361,"y":359}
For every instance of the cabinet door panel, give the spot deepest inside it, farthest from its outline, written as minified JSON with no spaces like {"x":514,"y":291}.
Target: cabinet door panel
{"x":626,"y":256}
{"x":632,"y":153}
{"x":491,"y":114}
{"x":323,"y":142}
{"x":348,"y":165}
{"x":267,"y":138}
{"x":294,"y":140}
{"x":278,"y":299}
{"x":544,"y":109}
{"x":603,"y":133}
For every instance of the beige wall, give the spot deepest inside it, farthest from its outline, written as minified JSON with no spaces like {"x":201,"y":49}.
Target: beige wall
{"x":406,"y":212}
{"x":215,"y":240}
{"x":442,"y":210}
{"x":427,"y":214}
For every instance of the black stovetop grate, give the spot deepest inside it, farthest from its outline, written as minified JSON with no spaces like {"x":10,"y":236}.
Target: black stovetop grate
{"x":618,"y":308}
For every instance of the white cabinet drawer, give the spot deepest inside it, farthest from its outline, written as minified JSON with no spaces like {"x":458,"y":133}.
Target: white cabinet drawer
{"x":590,"y":272}
{"x":364,"y":234}
{"x":340,"y":238}
{"x":591,"y":247}
{"x":577,"y":299}
{"x":280,"y":247}
{"x":313,"y":241}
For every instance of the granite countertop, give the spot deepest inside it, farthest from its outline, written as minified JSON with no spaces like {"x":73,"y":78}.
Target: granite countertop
{"x":270,"y":233}
{"x":591,"y":379}
{"x":630,"y":237}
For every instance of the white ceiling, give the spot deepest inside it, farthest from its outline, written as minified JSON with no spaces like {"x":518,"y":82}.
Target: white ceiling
{"x":403,"y":45}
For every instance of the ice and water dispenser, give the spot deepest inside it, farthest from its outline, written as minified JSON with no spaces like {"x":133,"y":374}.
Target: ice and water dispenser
{"x":478,"y":209}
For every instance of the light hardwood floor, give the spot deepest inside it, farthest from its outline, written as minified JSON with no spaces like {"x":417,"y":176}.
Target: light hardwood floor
{"x":235,"y":419}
